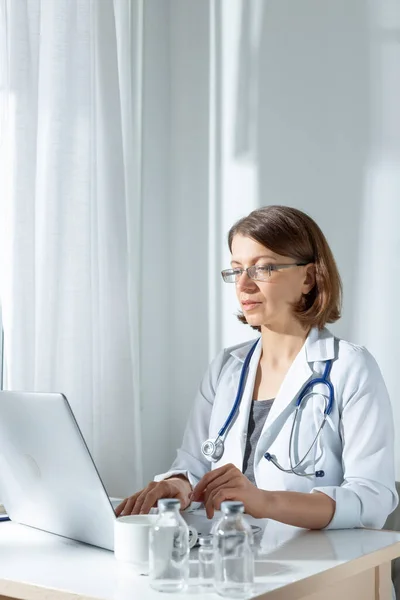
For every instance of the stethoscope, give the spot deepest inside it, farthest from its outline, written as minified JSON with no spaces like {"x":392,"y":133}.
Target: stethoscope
{"x":213,"y":450}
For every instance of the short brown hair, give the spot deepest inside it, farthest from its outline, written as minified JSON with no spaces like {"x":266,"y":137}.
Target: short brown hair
{"x":290,"y":232}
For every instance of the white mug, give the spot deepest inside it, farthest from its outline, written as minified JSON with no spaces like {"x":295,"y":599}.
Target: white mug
{"x":131,"y":540}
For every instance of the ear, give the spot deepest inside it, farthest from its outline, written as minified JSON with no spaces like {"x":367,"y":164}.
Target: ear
{"x":309,"y":278}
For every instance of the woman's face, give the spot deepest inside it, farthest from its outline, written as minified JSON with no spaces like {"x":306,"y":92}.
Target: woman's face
{"x":268,"y":302}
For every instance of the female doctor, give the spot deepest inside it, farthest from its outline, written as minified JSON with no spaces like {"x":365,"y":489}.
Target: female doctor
{"x":296,"y":411}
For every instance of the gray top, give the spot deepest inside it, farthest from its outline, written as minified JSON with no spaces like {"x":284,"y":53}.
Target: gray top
{"x":258,"y":413}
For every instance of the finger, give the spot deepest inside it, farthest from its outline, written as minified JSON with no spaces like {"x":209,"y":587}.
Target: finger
{"x":121,"y":507}
{"x":227,"y":475}
{"x":226,"y":478}
{"x":130,"y":503}
{"x":218,"y":496}
{"x":209,"y":504}
{"x":163,"y":490}
{"x":207,"y":479}
{"x":142,"y":498}
{"x":230,"y":493}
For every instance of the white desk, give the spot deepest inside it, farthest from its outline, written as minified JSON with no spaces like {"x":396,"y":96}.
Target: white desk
{"x":293,"y":564}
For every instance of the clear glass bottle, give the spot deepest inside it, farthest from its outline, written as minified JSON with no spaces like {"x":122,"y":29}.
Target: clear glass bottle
{"x":169,"y":549}
{"x":233,"y":555}
{"x":206,"y":561}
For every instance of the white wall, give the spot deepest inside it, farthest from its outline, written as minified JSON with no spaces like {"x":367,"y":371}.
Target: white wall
{"x":296,"y":103}
{"x":303,"y":88}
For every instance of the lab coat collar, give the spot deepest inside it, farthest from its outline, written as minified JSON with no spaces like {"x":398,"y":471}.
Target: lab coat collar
{"x":319,"y":346}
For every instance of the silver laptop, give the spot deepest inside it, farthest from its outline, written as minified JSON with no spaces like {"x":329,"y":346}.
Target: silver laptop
{"x":48,"y":479}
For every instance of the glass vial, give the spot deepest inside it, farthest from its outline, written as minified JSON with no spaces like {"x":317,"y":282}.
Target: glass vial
{"x":169,"y":549}
{"x":206,"y":561}
{"x":234,"y":559}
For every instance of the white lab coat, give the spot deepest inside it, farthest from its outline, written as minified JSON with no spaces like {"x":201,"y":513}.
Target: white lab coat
{"x":355,"y":448}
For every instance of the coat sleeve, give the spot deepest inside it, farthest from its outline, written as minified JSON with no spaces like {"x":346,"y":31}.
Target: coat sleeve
{"x":368,"y":493}
{"x":190,"y":460}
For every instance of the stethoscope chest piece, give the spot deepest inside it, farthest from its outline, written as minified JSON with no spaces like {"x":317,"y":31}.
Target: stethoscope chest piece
{"x":213,"y":449}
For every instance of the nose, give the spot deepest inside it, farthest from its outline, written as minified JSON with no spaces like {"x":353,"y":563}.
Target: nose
{"x":244,"y":282}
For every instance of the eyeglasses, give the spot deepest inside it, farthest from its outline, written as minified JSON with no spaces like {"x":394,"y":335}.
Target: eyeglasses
{"x":256,"y":272}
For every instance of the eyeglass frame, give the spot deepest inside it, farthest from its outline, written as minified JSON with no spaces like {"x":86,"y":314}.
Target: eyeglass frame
{"x":269,"y":268}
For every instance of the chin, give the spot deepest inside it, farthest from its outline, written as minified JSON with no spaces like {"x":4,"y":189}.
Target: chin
{"x":260,"y":320}
{"x":254,"y":322}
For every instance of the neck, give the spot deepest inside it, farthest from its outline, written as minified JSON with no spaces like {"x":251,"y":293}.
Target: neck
{"x":281,"y":346}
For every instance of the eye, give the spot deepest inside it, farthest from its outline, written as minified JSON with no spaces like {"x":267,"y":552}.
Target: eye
{"x":234,"y":272}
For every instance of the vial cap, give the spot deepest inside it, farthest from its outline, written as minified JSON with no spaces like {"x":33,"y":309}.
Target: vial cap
{"x":205,"y":540}
{"x":232,"y":507}
{"x":168,"y":504}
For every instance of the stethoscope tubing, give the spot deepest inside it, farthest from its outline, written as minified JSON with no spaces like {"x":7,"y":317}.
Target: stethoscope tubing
{"x":239,"y":393}
{"x":219,"y":441}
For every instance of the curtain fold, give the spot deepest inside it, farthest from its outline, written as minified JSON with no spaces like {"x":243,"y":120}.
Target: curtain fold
{"x":70,"y":217}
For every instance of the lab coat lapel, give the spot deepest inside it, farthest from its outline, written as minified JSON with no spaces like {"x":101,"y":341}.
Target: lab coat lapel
{"x":319,"y":346}
{"x":236,"y":436}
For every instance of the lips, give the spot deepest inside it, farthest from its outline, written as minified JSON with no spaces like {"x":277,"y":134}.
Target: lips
{"x":250,"y":304}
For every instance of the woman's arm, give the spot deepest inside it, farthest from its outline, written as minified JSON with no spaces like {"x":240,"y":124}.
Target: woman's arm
{"x":311,"y":511}
{"x":368,"y":493}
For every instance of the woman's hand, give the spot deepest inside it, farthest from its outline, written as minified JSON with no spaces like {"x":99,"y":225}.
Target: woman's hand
{"x":228,"y":483}
{"x":143,"y":501}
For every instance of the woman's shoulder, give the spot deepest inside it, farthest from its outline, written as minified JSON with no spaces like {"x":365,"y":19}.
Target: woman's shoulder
{"x":351,"y":361}
{"x":357,"y":363}
{"x":354,"y":353}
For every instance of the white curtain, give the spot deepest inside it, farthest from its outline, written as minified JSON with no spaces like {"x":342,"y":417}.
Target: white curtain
{"x":70,"y":216}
